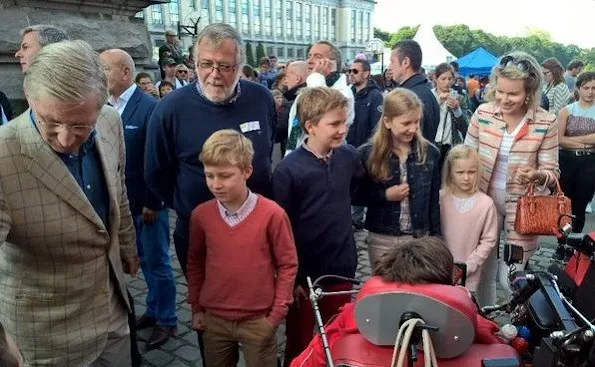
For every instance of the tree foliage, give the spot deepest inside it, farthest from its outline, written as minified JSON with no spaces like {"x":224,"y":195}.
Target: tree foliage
{"x":249,"y":55}
{"x":459,"y":39}
{"x":259,"y":52}
{"x":380,"y":34}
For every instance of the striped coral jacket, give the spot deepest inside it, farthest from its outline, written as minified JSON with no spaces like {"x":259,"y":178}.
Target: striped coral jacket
{"x":536,"y":145}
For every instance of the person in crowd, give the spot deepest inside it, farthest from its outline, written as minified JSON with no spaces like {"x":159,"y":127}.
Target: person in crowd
{"x":324,"y":69}
{"x":295,"y":80}
{"x":169,"y":68}
{"x":368,"y":109}
{"x":248,"y":73}
{"x":469,"y":222}
{"x":576,"y":126}
{"x":281,"y":68}
{"x":182,"y":74}
{"x":417,"y":266}
{"x":518,"y":142}
{"x":453,"y":111}
{"x":555,"y":88}
{"x":191,"y":74}
{"x":151,"y":219}
{"x":267,"y":75}
{"x":459,"y":81}
{"x":66,"y":155}
{"x":171,"y":49}
{"x":165,"y":88}
{"x":389,"y":83}
{"x":34,"y":38}
{"x":5,"y":109}
{"x":402,"y":182}
{"x":314,"y":185}
{"x":279,"y":83}
{"x":573,"y":69}
{"x":10,"y":355}
{"x":145,"y":82}
{"x":473,"y":84}
{"x":242,"y":260}
{"x":405,"y":64}
{"x":182,"y":122}
{"x":273,"y":64}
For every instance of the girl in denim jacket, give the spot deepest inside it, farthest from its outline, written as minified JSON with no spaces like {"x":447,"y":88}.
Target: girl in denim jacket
{"x":402,"y":182}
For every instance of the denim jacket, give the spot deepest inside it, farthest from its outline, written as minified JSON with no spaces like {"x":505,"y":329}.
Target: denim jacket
{"x":424,"y":183}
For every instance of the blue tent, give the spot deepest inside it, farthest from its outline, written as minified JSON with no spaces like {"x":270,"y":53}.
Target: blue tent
{"x":478,"y":62}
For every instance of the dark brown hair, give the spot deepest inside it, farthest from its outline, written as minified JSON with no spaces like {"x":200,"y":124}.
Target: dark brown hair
{"x":417,"y":261}
{"x":553,"y":65}
{"x":443,"y":68}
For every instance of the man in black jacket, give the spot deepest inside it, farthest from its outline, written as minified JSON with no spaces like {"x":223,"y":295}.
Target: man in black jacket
{"x":5,"y":109}
{"x":405,"y":63}
{"x":295,"y":79}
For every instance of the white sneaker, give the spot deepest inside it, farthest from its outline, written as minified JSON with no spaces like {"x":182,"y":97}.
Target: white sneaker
{"x":589,"y":209}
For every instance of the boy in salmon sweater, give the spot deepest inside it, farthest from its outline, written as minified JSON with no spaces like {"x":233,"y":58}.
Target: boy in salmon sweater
{"x":242,"y":260}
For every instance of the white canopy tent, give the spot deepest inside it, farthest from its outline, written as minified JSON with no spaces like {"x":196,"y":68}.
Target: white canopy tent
{"x":433,"y":51}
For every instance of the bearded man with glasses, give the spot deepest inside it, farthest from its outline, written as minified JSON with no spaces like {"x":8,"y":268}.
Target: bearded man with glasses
{"x":182,"y":123}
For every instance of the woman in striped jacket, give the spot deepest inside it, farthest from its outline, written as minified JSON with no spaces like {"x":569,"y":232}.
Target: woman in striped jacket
{"x":517,"y":143}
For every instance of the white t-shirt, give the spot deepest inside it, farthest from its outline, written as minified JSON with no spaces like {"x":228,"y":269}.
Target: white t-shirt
{"x":500,"y":172}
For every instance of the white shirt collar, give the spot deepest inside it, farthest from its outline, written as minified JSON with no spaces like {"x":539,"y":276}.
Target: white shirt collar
{"x":122,"y":101}
{"x":3,"y":118}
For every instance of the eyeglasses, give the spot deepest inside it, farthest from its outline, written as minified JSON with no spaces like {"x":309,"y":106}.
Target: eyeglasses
{"x":522,"y":65}
{"x":354,"y":71}
{"x":55,"y":127}
{"x":222,"y":68}
{"x":182,"y":72}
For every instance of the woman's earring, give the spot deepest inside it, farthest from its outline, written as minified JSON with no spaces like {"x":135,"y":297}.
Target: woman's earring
{"x":527,"y":100}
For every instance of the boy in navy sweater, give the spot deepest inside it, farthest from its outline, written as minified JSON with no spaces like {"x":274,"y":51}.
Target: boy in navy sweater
{"x":314,"y":184}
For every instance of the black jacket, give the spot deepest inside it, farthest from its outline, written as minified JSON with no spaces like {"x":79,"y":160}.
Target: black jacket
{"x":419,"y":85}
{"x":368,"y":109}
{"x":6,"y":107}
{"x":283,"y":116}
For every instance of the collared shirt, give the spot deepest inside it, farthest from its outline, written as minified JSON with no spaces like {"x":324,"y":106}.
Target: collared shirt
{"x":326,"y":158}
{"x":3,"y":118}
{"x":88,"y":173}
{"x":237,"y":93}
{"x":233,"y":219}
{"x":120,"y":103}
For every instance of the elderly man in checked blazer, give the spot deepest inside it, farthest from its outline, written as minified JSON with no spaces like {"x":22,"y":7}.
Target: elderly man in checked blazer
{"x":66,"y":233}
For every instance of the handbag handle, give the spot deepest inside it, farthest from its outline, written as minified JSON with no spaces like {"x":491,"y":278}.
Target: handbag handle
{"x":557,"y":192}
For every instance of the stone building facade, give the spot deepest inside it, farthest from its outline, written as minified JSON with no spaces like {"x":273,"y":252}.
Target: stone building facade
{"x":284,"y":27}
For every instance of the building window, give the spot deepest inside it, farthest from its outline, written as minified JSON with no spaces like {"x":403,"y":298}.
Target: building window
{"x":233,"y":14}
{"x":324,"y":33}
{"x":315,"y":21}
{"x":205,"y":13}
{"x":156,"y":14}
{"x":334,"y":24}
{"x":361,"y":27}
{"x":268,"y":17}
{"x":300,"y":53}
{"x":353,"y":25}
{"x":289,"y":18}
{"x":218,"y":11}
{"x":245,"y":23}
{"x":307,"y":21}
{"x":367,"y":26}
{"x":192,"y":4}
{"x":174,"y":12}
{"x":270,"y":51}
{"x":298,"y":21}
{"x":280,"y":52}
{"x":290,"y":52}
{"x":256,"y":17}
{"x":279,"y":16}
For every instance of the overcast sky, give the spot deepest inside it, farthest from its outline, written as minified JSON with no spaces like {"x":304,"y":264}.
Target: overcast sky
{"x":568,"y":21}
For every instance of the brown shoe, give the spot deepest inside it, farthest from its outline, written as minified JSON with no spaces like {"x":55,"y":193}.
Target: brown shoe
{"x":160,"y":336}
{"x":144,"y":322}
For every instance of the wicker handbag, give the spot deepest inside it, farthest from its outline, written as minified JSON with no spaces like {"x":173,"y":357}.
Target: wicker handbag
{"x":541,"y":214}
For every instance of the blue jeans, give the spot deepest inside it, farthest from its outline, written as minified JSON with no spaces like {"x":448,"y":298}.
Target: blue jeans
{"x":152,"y":243}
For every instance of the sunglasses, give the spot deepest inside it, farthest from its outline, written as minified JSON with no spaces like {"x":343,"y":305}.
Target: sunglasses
{"x":522,"y":65}
{"x":182,"y":72}
{"x":354,"y":71}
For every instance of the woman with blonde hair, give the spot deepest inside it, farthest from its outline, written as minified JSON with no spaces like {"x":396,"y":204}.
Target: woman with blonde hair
{"x":518,"y":144}
{"x":555,"y":88}
{"x":402,"y":182}
{"x":182,"y":73}
{"x":469,"y":222}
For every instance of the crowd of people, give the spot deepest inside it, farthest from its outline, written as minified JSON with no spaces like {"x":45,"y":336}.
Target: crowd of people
{"x":90,"y":171}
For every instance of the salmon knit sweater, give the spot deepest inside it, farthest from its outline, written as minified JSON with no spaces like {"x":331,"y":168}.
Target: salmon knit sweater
{"x":242,"y":272}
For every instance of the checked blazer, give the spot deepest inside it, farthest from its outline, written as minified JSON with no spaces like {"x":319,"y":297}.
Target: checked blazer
{"x":56,"y":255}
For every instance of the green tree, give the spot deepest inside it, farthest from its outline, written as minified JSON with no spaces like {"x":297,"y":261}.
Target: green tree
{"x":249,"y":55}
{"x":380,"y":34}
{"x":405,"y":33}
{"x":259,"y":52}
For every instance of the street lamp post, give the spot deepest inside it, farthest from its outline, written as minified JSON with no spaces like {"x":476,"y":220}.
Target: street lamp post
{"x":376,"y":47}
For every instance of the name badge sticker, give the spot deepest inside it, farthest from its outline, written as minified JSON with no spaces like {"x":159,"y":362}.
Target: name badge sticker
{"x":250,"y":126}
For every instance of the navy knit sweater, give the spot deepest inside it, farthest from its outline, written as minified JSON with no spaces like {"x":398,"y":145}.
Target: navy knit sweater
{"x":180,"y":125}
{"x":317,"y":198}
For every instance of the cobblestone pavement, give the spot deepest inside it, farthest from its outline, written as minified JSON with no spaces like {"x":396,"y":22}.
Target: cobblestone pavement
{"x":182,"y":350}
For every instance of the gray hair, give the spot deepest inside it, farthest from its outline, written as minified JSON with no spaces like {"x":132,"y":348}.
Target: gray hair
{"x":219,"y":32}
{"x":335,"y":53}
{"x":67,"y":71}
{"x":300,"y":65}
{"x":46,"y":33}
